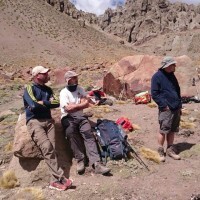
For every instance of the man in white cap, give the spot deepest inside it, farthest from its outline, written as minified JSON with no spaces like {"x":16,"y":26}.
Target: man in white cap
{"x":38,"y":100}
{"x":165,"y":92}
{"x":77,"y":127}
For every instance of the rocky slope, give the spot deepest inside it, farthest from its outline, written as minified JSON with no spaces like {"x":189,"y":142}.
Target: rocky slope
{"x":33,"y":32}
{"x":151,"y":26}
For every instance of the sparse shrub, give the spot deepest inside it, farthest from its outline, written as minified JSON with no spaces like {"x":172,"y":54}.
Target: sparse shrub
{"x":8,"y":180}
{"x":30,"y":193}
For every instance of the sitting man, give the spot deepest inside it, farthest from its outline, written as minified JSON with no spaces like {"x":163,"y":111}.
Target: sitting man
{"x":98,"y":97}
{"x":39,"y":99}
{"x":77,"y":127}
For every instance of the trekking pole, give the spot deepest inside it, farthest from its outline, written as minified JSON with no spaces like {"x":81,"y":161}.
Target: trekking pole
{"x":140,"y":160}
{"x":136,"y":156}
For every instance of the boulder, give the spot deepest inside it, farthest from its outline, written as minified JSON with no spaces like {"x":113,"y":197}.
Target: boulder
{"x":132,"y":75}
{"x":58,"y":75}
{"x":27,"y":160}
{"x":23,"y":146}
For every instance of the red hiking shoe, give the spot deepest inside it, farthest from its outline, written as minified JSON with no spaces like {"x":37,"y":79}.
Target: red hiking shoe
{"x":67,"y":182}
{"x":57,"y":185}
{"x":61,"y":185}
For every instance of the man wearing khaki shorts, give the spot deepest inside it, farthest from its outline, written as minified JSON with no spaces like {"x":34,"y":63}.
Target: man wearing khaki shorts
{"x":165,"y":92}
{"x":38,"y":100}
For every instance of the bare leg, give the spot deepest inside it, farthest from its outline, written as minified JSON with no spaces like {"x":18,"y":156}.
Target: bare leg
{"x":161,"y":139}
{"x":170,"y":139}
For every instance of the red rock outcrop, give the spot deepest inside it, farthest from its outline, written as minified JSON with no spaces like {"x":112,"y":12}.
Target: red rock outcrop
{"x":132,"y":74}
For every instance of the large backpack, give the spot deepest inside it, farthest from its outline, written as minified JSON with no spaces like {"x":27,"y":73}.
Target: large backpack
{"x":111,"y":140}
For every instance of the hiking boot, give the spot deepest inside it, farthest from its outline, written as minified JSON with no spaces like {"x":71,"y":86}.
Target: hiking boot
{"x":57,"y":185}
{"x":100,"y":169}
{"x":66,"y":182}
{"x":171,"y":151}
{"x":80,"y":168}
{"x":161,"y":154}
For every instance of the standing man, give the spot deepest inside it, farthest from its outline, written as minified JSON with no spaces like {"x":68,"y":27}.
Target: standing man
{"x":38,"y":100}
{"x":77,"y":127}
{"x":165,"y":92}
{"x":62,"y":5}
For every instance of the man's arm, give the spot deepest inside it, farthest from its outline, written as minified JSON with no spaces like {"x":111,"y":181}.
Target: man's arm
{"x":156,"y":93}
{"x":30,"y":100}
{"x":72,"y":107}
{"x":53,"y":101}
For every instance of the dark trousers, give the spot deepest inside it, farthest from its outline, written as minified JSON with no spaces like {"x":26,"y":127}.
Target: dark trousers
{"x":78,"y":132}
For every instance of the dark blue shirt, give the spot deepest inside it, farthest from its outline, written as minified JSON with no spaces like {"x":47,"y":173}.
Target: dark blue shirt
{"x":165,"y":90}
{"x":34,"y":93}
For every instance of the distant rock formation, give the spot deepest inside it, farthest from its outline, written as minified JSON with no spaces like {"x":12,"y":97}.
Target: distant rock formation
{"x":176,"y":25}
{"x":140,"y":20}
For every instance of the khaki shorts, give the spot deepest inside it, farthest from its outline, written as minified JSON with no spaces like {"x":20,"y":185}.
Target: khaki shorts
{"x":169,"y":121}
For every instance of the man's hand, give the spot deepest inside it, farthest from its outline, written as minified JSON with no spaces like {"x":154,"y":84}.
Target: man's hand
{"x":71,"y":107}
{"x":166,"y":108}
{"x":40,"y":102}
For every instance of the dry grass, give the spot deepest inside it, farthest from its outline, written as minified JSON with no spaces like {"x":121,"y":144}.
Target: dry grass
{"x":8,"y":147}
{"x":2,"y":132}
{"x":120,"y":102}
{"x":8,"y":180}
{"x":152,"y":104}
{"x":150,"y":154}
{"x":136,"y":127}
{"x":30,"y":193}
{"x":98,"y":115}
{"x":99,"y":111}
{"x":185,"y":112}
{"x":187,"y":125}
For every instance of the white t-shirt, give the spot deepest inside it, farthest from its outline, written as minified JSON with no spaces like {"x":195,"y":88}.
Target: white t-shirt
{"x":67,"y":97}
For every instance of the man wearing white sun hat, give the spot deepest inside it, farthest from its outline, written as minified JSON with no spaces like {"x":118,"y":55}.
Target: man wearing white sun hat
{"x":165,"y":91}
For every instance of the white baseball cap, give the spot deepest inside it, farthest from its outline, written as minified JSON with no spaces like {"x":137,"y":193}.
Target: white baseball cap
{"x":39,"y":70}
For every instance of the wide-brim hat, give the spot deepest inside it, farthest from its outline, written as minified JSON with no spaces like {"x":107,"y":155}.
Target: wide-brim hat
{"x":167,"y":61}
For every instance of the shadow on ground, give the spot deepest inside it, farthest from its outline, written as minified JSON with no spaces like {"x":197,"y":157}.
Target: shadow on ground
{"x":183,"y":146}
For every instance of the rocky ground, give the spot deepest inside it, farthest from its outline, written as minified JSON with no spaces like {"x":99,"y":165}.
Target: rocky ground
{"x":34,"y":33}
{"x":129,"y":180}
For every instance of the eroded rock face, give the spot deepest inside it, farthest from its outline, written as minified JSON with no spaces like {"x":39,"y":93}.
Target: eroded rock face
{"x":133,"y":74}
{"x":171,"y":27}
{"x":27,"y":159}
{"x":144,"y":19}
